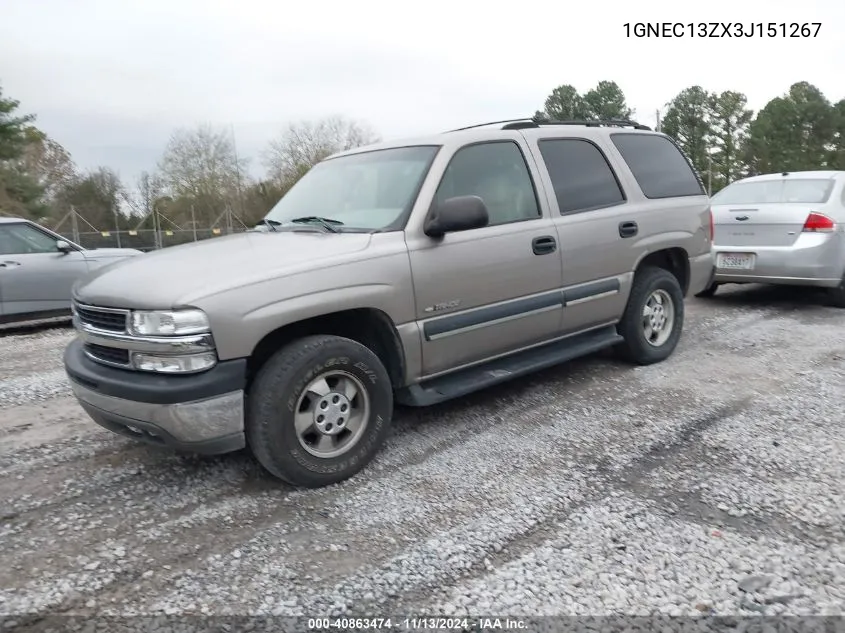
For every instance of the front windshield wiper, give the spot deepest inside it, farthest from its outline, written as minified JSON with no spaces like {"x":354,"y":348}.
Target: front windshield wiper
{"x":327,"y":223}
{"x":271,"y":223}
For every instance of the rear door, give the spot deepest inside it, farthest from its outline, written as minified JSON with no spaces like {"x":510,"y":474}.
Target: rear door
{"x":617,"y":198}
{"x":34,"y":276}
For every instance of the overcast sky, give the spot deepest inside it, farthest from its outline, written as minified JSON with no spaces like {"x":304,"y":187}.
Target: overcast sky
{"x":110,"y":79}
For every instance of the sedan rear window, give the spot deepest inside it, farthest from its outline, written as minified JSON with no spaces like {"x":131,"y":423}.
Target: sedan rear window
{"x":798,"y":190}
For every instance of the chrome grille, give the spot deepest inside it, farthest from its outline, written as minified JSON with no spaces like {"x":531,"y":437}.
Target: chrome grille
{"x":107,"y":319}
{"x":108,"y":355}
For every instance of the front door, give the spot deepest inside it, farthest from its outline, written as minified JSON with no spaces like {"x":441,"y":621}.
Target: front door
{"x":34,"y":276}
{"x":488,"y":291}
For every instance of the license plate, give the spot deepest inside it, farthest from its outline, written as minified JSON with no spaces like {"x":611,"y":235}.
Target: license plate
{"x":735,"y":261}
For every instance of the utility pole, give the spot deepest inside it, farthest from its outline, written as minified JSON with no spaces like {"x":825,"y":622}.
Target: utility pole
{"x":117,"y":227}
{"x":238,"y":172}
{"x":156,"y":228}
{"x":194,"y":222}
{"x":74,"y":225}
{"x":709,"y":172}
{"x":657,"y":118}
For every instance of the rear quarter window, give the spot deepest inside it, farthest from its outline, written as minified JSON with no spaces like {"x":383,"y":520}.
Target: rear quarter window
{"x":658,"y":165}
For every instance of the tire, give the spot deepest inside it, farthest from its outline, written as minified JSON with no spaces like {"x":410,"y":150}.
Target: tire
{"x":836,"y":296}
{"x":280,"y":389}
{"x":708,"y":292}
{"x":651,"y":283}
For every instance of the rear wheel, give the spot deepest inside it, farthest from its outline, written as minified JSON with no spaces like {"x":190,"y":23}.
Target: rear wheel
{"x":653,"y":319}
{"x":319,"y":410}
{"x":708,"y":292}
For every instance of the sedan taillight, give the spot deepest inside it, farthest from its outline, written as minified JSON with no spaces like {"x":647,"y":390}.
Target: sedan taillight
{"x":818,"y":223}
{"x":712,"y":229}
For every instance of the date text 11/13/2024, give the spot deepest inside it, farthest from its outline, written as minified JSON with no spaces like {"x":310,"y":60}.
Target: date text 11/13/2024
{"x":722,"y":29}
{"x":416,"y":624}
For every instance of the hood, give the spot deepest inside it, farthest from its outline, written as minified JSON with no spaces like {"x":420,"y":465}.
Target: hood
{"x":168,"y":277}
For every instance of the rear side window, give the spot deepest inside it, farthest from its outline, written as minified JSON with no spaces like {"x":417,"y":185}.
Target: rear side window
{"x":660,"y":168}
{"x":580,"y":174}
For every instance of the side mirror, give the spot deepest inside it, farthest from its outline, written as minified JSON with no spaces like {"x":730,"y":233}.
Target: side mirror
{"x":63,"y":247}
{"x":456,"y":214}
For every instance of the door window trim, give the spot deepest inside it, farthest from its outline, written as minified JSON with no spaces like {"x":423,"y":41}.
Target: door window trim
{"x":527,"y":169}
{"x":609,"y":166}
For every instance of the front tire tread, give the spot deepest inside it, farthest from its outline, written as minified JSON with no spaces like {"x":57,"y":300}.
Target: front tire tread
{"x":268,"y":403}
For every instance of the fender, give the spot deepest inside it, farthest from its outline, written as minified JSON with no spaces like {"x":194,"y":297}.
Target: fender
{"x":244,"y":330}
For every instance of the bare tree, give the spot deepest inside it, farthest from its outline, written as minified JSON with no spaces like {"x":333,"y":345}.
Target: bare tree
{"x":97,"y":196}
{"x":48,"y":163}
{"x":145,"y":202}
{"x":199,"y":162}
{"x":305,"y":143}
{"x":149,"y":189}
{"x":200,"y":169}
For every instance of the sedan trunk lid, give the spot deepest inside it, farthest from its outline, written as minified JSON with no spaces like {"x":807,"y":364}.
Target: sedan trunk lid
{"x":760,"y":224}
{"x":768,"y":210}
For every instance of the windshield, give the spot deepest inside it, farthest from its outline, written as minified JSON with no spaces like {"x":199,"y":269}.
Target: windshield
{"x":807,"y":191}
{"x":370,"y":191}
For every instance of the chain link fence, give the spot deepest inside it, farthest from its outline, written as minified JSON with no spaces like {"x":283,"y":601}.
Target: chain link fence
{"x":143,"y":239}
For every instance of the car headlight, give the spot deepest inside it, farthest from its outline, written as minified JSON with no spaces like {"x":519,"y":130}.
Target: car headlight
{"x":182,"y":364}
{"x":169,"y":322}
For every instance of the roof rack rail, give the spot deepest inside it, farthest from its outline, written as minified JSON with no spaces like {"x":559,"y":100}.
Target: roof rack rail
{"x":469,"y":127}
{"x":528,"y":122}
{"x":533,"y":123}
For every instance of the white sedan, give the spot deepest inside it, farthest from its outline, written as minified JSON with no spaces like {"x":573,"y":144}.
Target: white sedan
{"x":786,"y":228}
{"x":38,"y":269}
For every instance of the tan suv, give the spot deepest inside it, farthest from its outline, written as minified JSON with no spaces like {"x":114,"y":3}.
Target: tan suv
{"x":413,"y":271}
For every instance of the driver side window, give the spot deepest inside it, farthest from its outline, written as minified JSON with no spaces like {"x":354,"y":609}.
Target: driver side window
{"x":496,"y":172}
{"x":23,"y":239}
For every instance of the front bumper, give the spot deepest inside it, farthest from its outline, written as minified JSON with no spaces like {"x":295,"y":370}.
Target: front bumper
{"x":199,"y":413}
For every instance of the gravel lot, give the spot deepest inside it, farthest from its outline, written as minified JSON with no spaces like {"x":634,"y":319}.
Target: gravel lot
{"x":711,"y":483}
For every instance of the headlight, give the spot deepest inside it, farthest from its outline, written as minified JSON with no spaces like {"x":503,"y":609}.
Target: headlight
{"x":174,"y":364}
{"x":169,"y":322}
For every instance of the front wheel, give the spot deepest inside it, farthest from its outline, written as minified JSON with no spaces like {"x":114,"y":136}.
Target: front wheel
{"x":319,"y":410}
{"x":653,"y":319}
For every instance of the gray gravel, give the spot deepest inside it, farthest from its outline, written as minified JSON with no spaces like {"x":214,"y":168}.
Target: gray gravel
{"x":711,"y":483}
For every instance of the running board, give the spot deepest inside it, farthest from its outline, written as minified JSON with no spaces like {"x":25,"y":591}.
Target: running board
{"x":465,"y":381}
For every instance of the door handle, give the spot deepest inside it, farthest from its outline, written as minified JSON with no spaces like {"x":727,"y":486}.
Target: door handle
{"x":9,"y":264}
{"x":543,"y":245}
{"x":628,"y":229}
